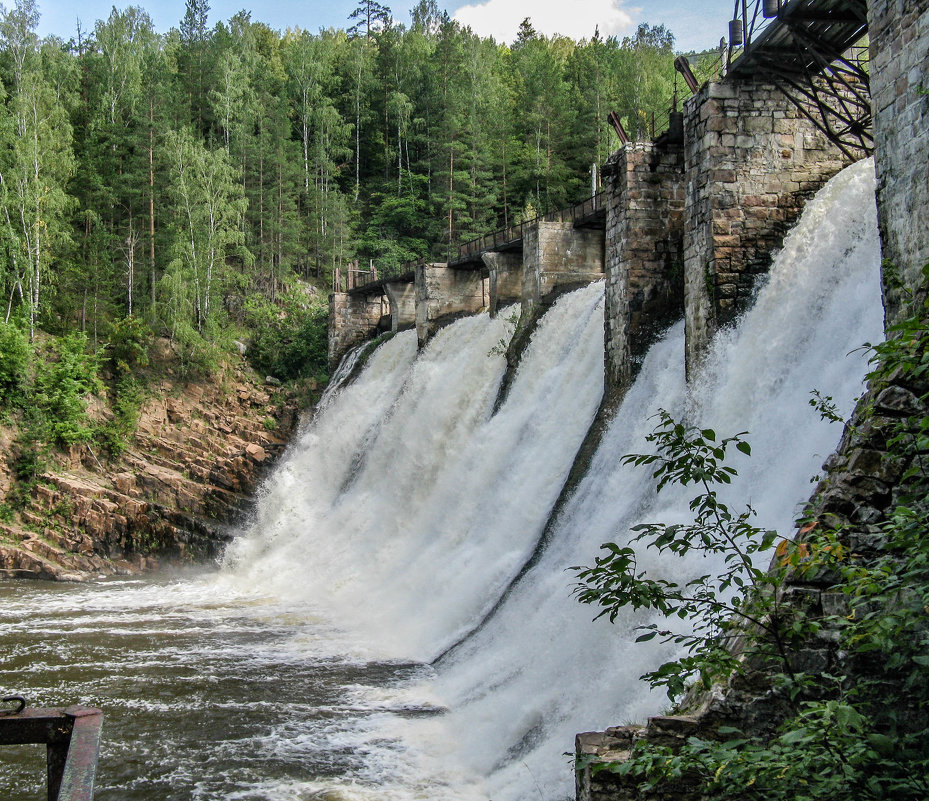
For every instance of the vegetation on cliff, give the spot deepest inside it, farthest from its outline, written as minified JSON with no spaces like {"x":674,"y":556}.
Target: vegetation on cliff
{"x":830,"y":643}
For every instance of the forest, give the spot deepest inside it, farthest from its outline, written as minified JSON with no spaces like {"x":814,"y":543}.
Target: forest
{"x":205,"y":183}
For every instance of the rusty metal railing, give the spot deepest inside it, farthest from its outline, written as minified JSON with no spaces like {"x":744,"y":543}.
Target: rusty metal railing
{"x":506,"y":237}
{"x":72,"y":739}
{"x":467,"y":251}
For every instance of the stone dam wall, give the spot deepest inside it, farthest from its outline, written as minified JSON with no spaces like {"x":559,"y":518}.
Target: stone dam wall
{"x":687,"y":225}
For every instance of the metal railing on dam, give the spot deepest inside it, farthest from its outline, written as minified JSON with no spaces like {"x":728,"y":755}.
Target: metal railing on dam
{"x":590,"y":212}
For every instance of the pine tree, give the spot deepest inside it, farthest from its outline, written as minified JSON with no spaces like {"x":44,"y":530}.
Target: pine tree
{"x":193,"y":58}
{"x":370,"y":16}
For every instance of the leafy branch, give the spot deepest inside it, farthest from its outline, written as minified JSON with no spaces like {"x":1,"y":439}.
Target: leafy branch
{"x":742,"y":600}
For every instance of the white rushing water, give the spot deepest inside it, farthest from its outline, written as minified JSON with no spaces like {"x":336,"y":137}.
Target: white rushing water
{"x":819,"y":305}
{"x":400,"y":517}
{"x":449,"y":501}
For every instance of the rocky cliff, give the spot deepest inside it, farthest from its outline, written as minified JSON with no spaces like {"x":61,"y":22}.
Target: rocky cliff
{"x":189,"y":473}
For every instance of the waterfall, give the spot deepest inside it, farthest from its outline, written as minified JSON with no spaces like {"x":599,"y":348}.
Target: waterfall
{"x":407,"y":508}
{"x":408,"y":495}
{"x":820,"y":304}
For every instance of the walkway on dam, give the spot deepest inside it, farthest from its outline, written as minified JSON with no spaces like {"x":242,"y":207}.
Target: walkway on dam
{"x":807,"y":48}
{"x":589,"y":213}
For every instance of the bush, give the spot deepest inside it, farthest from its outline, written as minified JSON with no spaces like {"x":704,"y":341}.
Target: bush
{"x":129,"y":341}
{"x":288,"y":342}
{"x":14,"y":365}
{"x":115,"y":434}
{"x":196,"y":356}
{"x":61,"y":389}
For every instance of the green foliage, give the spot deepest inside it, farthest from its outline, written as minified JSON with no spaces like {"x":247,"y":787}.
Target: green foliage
{"x":861,"y":734}
{"x":195,"y":356}
{"x":825,"y":406}
{"x":127,"y":400}
{"x":290,"y":341}
{"x":14,"y":365}
{"x":61,"y":389}
{"x":128,"y":345}
{"x":862,"y":737}
{"x":829,"y":749}
{"x":715,"y":606}
{"x":30,"y":455}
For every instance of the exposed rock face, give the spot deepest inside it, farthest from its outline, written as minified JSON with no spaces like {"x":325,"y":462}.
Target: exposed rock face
{"x":197,"y":457}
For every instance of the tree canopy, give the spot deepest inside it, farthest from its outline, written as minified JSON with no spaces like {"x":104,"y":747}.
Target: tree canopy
{"x":174,"y":176}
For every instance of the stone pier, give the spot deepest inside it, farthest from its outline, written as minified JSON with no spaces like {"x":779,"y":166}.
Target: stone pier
{"x":644,"y":253}
{"x":443,"y":294}
{"x":402,"y":298}
{"x":505,"y":272}
{"x":558,"y":257}
{"x":752,"y":160}
{"x":352,"y":320}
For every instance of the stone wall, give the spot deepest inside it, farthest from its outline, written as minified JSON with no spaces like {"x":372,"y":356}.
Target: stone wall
{"x":644,"y":253}
{"x":899,"y":34}
{"x":505,"y":271}
{"x":402,"y":298}
{"x":353,"y":319}
{"x":751,"y":161}
{"x":443,"y":294}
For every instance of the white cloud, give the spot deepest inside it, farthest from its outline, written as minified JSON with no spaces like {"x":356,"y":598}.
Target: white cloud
{"x":574,"y":18}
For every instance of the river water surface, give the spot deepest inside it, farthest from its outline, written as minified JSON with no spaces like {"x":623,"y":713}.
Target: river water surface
{"x":208,"y":693}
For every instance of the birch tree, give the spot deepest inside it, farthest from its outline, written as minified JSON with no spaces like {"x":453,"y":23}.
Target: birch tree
{"x":40,"y":159}
{"x":208,"y":204}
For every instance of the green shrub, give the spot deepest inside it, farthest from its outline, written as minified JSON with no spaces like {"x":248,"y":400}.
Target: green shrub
{"x":115,"y":434}
{"x":14,"y":365}
{"x":196,"y":356}
{"x":61,"y":390}
{"x":30,"y":455}
{"x":288,"y":342}
{"x":129,"y":341}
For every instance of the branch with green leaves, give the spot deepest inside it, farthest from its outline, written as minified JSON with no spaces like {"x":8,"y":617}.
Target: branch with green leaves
{"x":741,"y":601}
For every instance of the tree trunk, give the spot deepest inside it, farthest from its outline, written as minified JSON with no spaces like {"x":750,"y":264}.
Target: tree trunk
{"x":151,"y":198}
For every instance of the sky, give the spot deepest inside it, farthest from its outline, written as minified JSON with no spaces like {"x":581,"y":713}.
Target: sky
{"x":696,"y":24}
